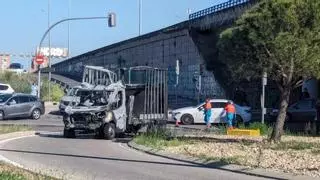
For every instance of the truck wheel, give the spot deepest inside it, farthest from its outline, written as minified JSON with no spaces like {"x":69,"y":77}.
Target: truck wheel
{"x":109,"y":131}
{"x":99,"y":134}
{"x":69,"y":133}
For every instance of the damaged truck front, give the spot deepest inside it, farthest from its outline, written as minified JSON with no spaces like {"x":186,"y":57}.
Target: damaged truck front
{"x":136,"y":101}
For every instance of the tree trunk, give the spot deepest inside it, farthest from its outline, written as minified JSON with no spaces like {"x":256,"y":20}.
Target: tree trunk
{"x":278,"y":128}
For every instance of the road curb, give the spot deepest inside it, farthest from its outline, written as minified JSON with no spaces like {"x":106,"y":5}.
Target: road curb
{"x":259,"y":172}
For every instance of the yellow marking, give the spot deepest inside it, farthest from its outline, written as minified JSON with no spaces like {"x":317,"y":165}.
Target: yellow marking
{"x":243,"y":132}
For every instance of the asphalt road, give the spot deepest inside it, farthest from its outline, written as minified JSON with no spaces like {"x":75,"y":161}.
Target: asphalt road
{"x":86,"y":158}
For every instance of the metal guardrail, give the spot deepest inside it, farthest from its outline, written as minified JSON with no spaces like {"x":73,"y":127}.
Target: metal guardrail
{"x":217,"y":8}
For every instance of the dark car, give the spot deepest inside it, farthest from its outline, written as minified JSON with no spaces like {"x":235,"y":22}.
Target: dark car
{"x":20,"y":105}
{"x":303,"y":110}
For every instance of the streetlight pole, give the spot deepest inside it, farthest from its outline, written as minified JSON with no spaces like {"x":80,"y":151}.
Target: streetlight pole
{"x":140,"y":4}
{"x":69,"y":5}
{"x":111,"y":23}
{"x":49,"y":57}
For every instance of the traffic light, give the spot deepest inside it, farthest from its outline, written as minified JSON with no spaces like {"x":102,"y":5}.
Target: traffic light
{"x":112,"y":19}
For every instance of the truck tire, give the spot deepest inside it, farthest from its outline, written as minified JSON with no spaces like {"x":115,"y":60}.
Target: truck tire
{"x":109,"y":131}
{"x":69,"y":133}
{"x":99,"y":134}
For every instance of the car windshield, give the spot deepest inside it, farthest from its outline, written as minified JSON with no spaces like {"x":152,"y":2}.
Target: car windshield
{"x":4,"y":97}
{"x":78,"y":92}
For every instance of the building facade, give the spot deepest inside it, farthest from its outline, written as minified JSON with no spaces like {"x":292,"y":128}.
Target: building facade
{"x":4,"y":61}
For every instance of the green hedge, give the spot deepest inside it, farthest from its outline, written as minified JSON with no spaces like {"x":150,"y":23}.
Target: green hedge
{"x":264,"y":128}
{"x":22,"y":84}
{"x":56,"y":91}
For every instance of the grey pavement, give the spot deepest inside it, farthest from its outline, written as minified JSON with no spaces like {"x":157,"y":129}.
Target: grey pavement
{"x":86,"y":158}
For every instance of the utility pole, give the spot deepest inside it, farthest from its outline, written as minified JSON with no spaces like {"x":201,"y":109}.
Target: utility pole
{"x":263,"y":109}
{"x":111,"y":23}
{"x":49,"y":57}
{"x":177,"y":78}
{"x":69,"y":5}
{"x":140,"y":25}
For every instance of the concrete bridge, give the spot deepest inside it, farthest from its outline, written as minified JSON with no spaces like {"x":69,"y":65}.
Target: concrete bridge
{"x":191,"y":44}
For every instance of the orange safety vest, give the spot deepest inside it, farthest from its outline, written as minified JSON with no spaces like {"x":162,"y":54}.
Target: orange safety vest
{"x":230,"y":108}
{"x":207,"y":106}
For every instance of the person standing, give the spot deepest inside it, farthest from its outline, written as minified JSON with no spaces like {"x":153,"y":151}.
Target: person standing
{"x":230,"y":111}
{"x":207,"y":113}
{"x":34,"y":89}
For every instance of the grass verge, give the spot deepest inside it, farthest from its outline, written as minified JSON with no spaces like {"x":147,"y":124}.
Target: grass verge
{"x":4,"y":129}
{"x":158,"y":140}
{"x":8,"y":172}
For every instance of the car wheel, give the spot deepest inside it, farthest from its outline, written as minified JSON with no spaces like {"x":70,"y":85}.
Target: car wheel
{"x":109,"y":131}
{"x":69,"y":133}
{"x":36,"y":114}
{"x":1,"y":115}
{"x":187,"y":119}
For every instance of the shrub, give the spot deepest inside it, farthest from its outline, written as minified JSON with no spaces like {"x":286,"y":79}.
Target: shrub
{"x":20,"y":84}
{"x":56,"y":91}
{"x":264,"y":129}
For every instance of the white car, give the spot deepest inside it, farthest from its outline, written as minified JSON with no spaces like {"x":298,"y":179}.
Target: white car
{"x":195,"y":114}
{"x":6,"y":89}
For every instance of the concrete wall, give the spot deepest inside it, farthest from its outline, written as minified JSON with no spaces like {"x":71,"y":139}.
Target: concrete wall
{"x":162,"y":49}
{"x":159,"y":50}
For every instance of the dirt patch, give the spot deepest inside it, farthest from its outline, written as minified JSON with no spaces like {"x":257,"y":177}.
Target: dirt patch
{"x":297,"y":155}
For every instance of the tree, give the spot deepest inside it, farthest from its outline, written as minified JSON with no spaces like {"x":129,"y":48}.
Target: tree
{"x":280,"y":37}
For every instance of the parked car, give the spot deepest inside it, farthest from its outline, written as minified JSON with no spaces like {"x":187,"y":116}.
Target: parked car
{"x":20,"y":105}
{"x":303,"y":110}
{"x":195,"y":114}
{"x":6,"y":89}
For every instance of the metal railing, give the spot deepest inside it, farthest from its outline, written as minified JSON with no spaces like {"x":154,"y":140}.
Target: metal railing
{"x":217,"y":8}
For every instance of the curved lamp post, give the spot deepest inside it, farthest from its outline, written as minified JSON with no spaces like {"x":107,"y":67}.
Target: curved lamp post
{"x":111,"y":23}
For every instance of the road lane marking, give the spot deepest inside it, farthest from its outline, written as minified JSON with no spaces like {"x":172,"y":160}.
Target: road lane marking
{"x":2,"y":158}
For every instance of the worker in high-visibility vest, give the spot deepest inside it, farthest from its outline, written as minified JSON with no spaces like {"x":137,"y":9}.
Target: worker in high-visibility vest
{"x":207,"y":113}
{"x":231,"y":112}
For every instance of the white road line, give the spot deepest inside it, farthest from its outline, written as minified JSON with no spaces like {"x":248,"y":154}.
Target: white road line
{"x":48,"y":133}
{"x":2,"y":158}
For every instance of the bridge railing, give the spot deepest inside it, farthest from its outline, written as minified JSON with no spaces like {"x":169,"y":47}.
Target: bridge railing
{"x":217,"y":8}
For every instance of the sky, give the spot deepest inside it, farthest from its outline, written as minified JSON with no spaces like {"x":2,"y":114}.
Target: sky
{"x":23,"y":22}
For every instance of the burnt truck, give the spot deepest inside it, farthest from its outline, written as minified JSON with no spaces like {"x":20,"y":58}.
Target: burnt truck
{"x":134,"y":100}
